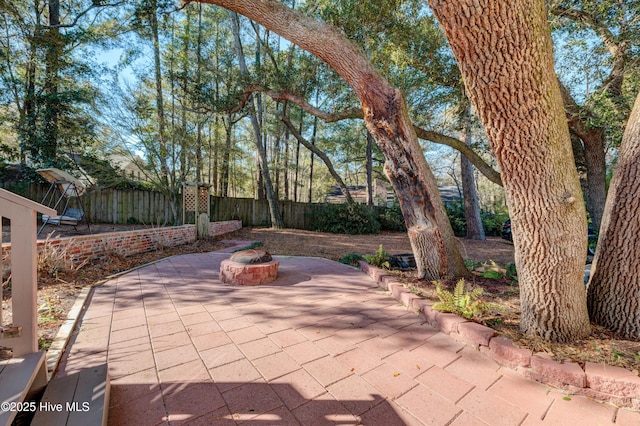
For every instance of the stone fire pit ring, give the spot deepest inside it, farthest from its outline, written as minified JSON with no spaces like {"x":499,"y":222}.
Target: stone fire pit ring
{"x":249,"y":267}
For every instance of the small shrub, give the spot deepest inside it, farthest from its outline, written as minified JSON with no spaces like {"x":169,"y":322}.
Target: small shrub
{"x":512,"y":273}
{"x":491,"y":222}
{"x":494,"y":275}
{"x":380,"y":259}
{"x":54,"y":258}
{"x":351,"y":259}
{"x":391,"y":219}
{"x":345,"y":219}
{"x":457,"y":218}
{"x":462,"y":302}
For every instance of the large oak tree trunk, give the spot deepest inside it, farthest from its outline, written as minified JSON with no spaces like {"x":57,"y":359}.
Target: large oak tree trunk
{"x":614,"y":288}
{"x":505,"y":54}
{"x":386,"y":116}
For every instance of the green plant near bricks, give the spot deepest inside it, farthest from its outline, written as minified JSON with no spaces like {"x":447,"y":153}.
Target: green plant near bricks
{"x":463,"y":302}
{"x":351,"y":259}
{"x":379,"y":259}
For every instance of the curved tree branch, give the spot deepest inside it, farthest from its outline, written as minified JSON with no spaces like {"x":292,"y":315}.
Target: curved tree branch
{"x":435,"y":137}
{"x":617,"y":48}
{"x":327,"y":161}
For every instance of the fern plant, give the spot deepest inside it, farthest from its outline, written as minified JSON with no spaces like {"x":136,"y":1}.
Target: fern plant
{"x":461,"y":302}
{"x":379,"y":259}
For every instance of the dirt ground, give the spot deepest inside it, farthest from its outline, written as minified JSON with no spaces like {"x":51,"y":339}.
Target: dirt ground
{"x":57,"y":292}
{"x":295,"y":242}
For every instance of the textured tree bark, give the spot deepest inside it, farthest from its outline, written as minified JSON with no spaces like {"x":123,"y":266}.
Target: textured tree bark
{"x":504,"y":52}
{"x":614,"y":288}
{"x":595,"y":159}
{"x":386,"y":116}
{"x":593,"y":140}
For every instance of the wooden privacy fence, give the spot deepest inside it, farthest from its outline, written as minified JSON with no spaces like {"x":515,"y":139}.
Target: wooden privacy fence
{"x":149,"y":207}
{"x":256,"y":212}
{"x":119,"y":206}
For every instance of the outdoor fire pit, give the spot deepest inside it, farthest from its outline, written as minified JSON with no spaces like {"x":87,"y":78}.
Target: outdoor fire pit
{"x":249,"y":267}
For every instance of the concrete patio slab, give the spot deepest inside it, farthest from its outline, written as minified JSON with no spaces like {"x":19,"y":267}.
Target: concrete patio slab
{"x":320,"y":345}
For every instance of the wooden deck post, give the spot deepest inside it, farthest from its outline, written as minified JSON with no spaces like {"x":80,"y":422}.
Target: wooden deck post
{"x":24,"y":284}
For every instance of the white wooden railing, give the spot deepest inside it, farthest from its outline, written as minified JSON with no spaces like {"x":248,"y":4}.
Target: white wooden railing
{"x":21,"y":336}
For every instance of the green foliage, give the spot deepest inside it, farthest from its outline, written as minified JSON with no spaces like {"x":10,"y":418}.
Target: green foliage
{"x":380,"y":259}
{"x":345,"y":219}
{"x":351,"y":259}
{"x":494,"y":275}
{"x":391,"y":219}
{"x":455,"y":212}
{"x":461,"y":302}
{"x":491,"y":222}
{"x":512,"y":273}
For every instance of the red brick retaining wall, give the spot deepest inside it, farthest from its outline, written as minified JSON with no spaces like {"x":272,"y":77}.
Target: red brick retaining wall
{"x":126,"y":243}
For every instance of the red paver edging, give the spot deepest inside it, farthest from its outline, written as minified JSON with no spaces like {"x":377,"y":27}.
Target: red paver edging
{"x":601,"y":382}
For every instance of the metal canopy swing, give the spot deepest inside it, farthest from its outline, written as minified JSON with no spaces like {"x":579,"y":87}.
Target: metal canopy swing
{"x":63,"y":195}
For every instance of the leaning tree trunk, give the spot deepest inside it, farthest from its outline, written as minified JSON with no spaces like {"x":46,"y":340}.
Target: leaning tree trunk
{"x":386,"y":116}
{"x":274,"y":208}
{"x":324,"y":157}
{"x":614,"y":289}
{"x":504,"y":52}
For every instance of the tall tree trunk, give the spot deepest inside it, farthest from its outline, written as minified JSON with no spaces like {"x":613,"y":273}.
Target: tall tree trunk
{"x":505,"y":54}
{"x":198,"y":115}
{"x":29,"y":119}
{"x":297,"y":169}
{"x":614,"y":288}
{"x":369,"y":167}
{"x":593,"y":140}
{"x":285,"y":165}
{"x":596,"y":161}
{"x":327,"y":161}
{"x":226,"y":158}
{"x":274,"y":208}
{"x":475,"y":230}
{"x":48,"y":151}
{"x":313,"y":143}
{"x":163,"y":150}
{"x":385,"y":112}
{"x":184,"y":131}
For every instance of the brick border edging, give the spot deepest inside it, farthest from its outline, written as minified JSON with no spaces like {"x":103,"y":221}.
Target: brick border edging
{"x":598,"y":381}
